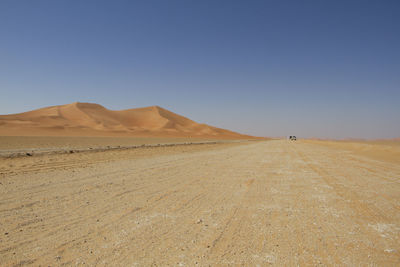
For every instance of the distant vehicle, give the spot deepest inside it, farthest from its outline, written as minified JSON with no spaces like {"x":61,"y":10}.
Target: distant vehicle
{"x":292,"y":138}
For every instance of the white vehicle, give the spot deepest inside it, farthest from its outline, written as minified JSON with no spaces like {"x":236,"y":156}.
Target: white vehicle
{"x":292,"y":138}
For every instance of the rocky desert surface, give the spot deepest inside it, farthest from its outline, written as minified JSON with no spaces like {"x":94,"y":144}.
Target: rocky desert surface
{"x":260,"y":203}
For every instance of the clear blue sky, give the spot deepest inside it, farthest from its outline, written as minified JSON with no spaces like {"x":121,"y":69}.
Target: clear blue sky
{"x":327,"y":69}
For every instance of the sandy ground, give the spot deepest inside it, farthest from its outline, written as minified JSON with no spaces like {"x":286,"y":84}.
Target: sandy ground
{"x":71,"y":142}
{"x":258,"y":203}
{"x":13,"y":146}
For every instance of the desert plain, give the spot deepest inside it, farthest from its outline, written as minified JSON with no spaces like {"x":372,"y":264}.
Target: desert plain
{"x":225,"y":203}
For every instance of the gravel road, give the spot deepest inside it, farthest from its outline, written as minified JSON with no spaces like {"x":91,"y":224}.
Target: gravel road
{"x":275,"y":202}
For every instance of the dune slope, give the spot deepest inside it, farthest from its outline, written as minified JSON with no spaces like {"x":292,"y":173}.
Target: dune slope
{"x":87,"y":119}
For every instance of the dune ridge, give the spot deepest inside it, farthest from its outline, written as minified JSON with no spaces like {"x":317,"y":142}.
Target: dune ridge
{"x":89,"y":119}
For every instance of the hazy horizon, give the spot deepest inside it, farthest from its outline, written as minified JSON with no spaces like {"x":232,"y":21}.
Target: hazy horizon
{"x":310,"y":69}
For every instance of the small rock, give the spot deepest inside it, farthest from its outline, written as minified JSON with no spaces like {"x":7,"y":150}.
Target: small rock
{"x":29,"y":154}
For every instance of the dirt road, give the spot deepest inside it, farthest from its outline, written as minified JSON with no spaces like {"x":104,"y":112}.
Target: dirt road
{"x":274,"y":202}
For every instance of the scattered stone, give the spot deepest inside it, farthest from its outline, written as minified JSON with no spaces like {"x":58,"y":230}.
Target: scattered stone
{"x":199,"y":221}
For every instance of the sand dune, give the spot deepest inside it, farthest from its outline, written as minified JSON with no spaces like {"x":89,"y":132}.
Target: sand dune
{"x":87,"y":119}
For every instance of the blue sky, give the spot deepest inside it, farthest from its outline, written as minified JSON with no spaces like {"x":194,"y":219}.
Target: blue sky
{"x":328,"y":69}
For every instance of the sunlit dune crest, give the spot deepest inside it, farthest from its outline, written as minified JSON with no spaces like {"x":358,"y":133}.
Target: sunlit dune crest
{"x":87,"y":119}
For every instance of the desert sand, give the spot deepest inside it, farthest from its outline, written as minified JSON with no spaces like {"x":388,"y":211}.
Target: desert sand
{"x":16,"y":146}
{"x":88,"y":119}
{"x":259,"y":203}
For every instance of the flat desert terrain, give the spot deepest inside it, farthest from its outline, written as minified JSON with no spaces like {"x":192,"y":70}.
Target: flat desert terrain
{"x":259,"y":203}
{"x":13,"y":146}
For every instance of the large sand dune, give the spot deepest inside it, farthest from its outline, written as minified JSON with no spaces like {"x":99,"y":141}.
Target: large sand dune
{"x":86,"y":119}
